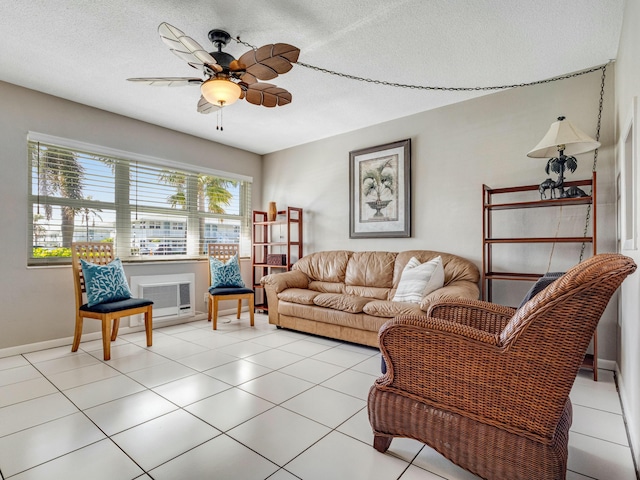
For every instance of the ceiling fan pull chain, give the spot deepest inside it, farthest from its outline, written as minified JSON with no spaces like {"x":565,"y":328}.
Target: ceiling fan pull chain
{"x":219,"y":121}
{"x":246,"y":44}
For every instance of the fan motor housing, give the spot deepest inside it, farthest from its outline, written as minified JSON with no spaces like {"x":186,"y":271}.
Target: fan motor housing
{"x":223,"y":59}
{"x":219,"y":38}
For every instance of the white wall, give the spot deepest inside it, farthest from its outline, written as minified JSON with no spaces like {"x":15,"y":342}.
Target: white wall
{"x":627,"y":86}
{"x":37,"y":304}
{"x":455,"y":150}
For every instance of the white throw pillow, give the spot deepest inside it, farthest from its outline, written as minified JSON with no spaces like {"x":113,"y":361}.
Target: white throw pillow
{"x":418,"y":280}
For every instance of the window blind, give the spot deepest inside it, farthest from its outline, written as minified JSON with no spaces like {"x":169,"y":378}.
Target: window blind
{"x":149,"y":210}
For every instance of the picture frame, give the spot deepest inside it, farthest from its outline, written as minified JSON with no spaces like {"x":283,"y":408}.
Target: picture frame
{"x":380,"y":191}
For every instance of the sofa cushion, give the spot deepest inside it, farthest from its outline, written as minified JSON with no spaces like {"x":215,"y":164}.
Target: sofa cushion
{"x":371,"y":292}
{"x":321,"y":315}
{"x":370,"y":269}
{"x":389,"y":309}
{"x":324,"y":266}
{"x":327,"y":287}
{"x":298,"y":295}
{"x":419,"y":279}
{"x":339,"y":301}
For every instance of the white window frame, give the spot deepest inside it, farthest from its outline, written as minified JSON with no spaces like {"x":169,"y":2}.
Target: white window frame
{"x":123,"y":207}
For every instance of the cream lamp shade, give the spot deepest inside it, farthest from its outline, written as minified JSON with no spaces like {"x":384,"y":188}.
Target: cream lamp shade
{"x":565,"y":137}
{"x":220,"y":92}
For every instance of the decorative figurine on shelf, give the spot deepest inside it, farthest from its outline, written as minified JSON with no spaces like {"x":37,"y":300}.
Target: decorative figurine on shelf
{"x":563,"y":137}
{"x":573,"y":192}
{"x":548,"y":184}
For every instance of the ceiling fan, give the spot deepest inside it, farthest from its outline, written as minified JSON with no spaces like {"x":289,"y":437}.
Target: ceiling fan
{"x":227,"y":79}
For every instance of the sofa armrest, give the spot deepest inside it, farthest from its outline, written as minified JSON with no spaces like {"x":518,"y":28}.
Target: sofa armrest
{"x":281,"y":281}
{"x":485,"y":316}
{"x":457,"y":289}
{"x":277,"y":282}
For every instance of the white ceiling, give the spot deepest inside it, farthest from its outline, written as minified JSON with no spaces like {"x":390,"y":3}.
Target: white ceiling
{"x":83,"y":50}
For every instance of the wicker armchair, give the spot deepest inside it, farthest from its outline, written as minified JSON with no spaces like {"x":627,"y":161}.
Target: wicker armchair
{"x":488,"y":386}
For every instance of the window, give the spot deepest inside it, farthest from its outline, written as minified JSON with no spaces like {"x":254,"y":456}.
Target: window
{"x":151,"y":209}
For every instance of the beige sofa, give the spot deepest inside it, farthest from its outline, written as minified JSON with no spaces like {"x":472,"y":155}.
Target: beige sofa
{"x":348,"y":295}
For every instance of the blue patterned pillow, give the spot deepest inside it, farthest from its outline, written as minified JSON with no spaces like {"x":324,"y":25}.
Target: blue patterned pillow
{"x":225,"y":274}
{"x":105,"y":283}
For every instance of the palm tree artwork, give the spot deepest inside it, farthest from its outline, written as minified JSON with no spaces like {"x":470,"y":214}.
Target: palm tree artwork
{"x":379,"y":185}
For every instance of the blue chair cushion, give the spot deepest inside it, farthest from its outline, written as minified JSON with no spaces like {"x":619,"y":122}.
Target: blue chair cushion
{"x":229,"y":290}
{"x":116,"y":306}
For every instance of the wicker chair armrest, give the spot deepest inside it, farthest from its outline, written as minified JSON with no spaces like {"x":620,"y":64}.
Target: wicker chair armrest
{"x":444,"y":326}
{"x":480,"y":315}
{"x":281,"y":281}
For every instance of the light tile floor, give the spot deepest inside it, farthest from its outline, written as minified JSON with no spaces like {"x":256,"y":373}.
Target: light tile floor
{"x":238,"y":403}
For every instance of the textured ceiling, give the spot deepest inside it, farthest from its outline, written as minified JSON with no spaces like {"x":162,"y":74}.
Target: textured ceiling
{"x":84,"y":50}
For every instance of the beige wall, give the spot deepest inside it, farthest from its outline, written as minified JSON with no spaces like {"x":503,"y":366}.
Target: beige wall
{"x":627,"y":86}
{"x":36,"y":304}
{"x":457,"y":149}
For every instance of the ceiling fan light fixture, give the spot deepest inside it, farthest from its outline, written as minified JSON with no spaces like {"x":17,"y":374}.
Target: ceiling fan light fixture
{"x":220,"y":91}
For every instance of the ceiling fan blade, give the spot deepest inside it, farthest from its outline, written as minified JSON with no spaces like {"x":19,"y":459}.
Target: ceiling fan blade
{"x":236,"y":66}
{"x":267,"y":95}
{"x":206,"y":107}
{"x":269,"y":61}
{"x":248,"y":78}
{"x":187,"y":48}
{"x":168,"y":81}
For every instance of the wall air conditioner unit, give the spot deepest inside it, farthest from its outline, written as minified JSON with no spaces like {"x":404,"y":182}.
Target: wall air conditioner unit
{"x":173,"y":296}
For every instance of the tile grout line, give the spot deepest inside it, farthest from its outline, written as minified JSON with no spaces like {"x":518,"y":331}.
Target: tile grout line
{"x":269,"y":348}
{"x":34,"y":365}
{"x":88,"y":418}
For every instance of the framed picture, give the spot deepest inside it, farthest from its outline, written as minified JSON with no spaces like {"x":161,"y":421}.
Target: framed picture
{"x":379,"y":191}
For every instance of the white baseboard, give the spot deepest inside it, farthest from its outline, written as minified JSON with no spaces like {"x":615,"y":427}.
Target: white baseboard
{"x":606,"y":365}
{"x":61,"y":342}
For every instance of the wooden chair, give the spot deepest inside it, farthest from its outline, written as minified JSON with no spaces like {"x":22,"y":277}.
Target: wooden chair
{"x":488,"y":386}
{"x":101,"y":254}
{"x":223,"y":252}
